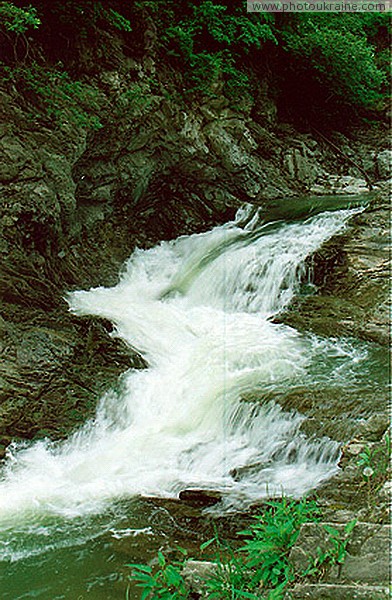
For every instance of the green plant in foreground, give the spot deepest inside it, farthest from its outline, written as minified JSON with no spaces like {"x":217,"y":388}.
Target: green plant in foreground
{"x":271,"y":538}
{"x":374,"y":462}
{"x":231,"y":577}
{"x":260,"y":565}
{"x":376,"y":458}
{"x":165,"y":583}
{"x":334,"y":554}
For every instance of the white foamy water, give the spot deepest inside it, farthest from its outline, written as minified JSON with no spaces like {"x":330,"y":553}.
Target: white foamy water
{"x":199,"y":311}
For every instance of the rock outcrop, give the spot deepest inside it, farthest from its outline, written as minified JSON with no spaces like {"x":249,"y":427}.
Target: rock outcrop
{"x":351,"y":272}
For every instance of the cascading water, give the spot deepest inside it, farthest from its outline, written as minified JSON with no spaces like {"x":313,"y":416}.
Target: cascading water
{"x":199,"y":310}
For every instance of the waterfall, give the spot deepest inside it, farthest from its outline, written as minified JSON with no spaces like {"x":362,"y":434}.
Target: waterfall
{"x":200,"y":310}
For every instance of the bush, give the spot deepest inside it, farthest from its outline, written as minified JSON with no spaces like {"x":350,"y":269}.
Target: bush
{"x":56,"y":96}
{"x":340,"y":56}
{"x":208,"y":40}
{"x":17,"y":20}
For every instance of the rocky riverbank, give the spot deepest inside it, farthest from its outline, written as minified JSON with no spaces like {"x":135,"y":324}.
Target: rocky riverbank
{"x":351,"y":273}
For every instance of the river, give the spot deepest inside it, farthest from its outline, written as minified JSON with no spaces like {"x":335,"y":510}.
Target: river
{"x":200,"y":309}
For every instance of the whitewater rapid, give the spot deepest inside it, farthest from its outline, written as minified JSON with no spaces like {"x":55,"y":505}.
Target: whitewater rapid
{"x":199,"y":309}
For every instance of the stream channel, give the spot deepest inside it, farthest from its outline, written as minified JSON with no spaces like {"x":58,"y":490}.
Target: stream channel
{"x":200,"y":309}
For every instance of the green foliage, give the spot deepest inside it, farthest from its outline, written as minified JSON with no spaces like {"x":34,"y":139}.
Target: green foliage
{"x":333,"y":60}
{"x":375,"y":464}
{"x":231,"y":579}
{"x":339,"y":55}
{"x":335,"y":553}
{"x":84,"y":14}
{"x":165,"y":583}
{"x":272,"y":536}
{"x":16,"y":19}
{"x":376,"y":457}
{"x":208,"y":39}
{"x":261,"y":563}
{"x":337,"y":58}
{"x":56,"y":96}
{"x":117,"y":20}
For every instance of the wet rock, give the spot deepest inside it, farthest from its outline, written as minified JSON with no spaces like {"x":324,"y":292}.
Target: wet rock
{"x":374,"y":428}
{"x":203,"y":498}
{"x":40,"y":347}
{"x":248,"y":470}
{"x":53,"y":373}
{"x":191,"y":523}
{"x":339,"y":413}
{"x":384,"y":164}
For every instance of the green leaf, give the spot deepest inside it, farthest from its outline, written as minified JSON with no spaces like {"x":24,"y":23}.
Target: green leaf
{"x":140,"y":567}
{"x":207,"y":543}
{"x":350,"y":526}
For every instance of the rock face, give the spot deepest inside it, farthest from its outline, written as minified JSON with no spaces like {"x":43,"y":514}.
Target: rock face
{"x":53,"y":371}
{"x":363,"y":572}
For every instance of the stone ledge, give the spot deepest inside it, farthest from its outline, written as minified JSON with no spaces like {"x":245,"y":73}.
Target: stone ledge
{"x":325,"y":591}
{"x":368,"y":552}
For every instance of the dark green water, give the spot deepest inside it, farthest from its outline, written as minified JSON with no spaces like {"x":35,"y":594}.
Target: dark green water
{"x":75,"y":559}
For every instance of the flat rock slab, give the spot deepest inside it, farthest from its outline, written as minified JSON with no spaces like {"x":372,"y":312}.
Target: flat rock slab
{"x":368,"y":552}
{"x":326,"y":591}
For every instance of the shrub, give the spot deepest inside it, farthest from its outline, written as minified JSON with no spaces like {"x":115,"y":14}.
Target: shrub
{"x":343,"y":62}
{"x":338,"y":54}
{"x":56,"y":96}
{"x":17,"y":20}
{"x":208,"y":40}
